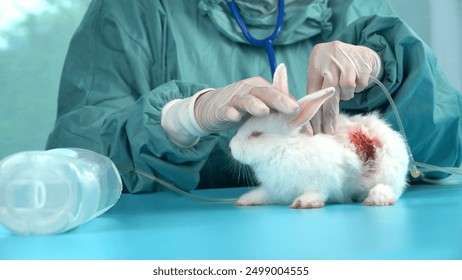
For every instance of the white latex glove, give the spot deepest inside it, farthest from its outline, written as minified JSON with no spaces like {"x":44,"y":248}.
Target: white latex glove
{"x":346,"y":68}
{"x":214,"y":110}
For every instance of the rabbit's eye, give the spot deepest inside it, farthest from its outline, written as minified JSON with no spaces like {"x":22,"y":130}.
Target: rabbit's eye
{"x":255,"y":134}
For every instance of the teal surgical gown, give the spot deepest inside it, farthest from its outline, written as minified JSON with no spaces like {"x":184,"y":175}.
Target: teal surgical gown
{"x":127,"y":59}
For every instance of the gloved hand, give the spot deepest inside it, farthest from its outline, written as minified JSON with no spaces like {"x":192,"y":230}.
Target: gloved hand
{"x":219,"y":109}
{"x":345,"y":67}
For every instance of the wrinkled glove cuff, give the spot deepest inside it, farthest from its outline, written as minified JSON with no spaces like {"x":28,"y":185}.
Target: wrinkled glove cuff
{"x":179,"y":121}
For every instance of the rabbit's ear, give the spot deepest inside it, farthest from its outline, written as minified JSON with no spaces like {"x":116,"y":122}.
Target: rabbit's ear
{"x":310,"y":104}
{"x":280,"y":80}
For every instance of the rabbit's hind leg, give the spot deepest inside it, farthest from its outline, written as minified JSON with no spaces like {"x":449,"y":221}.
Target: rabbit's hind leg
{"x":380,"y":195}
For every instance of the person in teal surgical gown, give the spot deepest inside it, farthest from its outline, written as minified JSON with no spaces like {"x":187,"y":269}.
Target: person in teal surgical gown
{"x":161,"y":85}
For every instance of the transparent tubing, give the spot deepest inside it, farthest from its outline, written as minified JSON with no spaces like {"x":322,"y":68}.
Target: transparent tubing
{"x":418,"y":169}
{"x":415,"y":173}
{"x":176,"y":189}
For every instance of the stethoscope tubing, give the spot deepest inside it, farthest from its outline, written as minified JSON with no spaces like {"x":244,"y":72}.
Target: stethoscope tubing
{"x":267,"y":42}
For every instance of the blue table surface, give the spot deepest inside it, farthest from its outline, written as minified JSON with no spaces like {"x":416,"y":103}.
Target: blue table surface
{"x":424,"y":224}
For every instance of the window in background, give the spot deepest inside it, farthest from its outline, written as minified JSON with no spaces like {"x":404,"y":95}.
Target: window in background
{"x":34,"y":36}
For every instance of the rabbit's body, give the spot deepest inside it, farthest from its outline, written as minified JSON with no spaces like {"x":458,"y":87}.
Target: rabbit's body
{"x":364,"y":160}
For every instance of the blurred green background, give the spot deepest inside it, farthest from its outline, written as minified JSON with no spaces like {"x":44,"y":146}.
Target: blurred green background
{"x":34,"y":35}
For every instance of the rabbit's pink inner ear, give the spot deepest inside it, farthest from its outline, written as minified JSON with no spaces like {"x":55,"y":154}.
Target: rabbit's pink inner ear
{"x":310,"y":104}
{"x":280,"y":80}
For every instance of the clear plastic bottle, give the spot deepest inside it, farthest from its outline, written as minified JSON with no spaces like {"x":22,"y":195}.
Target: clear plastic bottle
{"x":50,"y":192}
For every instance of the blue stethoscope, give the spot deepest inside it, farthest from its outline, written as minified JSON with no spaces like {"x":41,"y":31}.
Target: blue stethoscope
{"x":266,"y":42}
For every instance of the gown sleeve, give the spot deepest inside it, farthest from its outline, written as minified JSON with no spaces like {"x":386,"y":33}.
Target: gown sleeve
{"x":430,"y":108}
{"x":110,"y":101}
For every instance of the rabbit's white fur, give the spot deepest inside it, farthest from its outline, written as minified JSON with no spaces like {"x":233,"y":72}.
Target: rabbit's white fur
{"x":306,"y":171}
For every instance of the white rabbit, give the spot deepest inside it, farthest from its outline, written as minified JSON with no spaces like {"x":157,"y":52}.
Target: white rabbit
{"x":364,"y":160}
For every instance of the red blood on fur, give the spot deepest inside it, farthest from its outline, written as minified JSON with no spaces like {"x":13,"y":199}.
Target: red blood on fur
{"x":365,"y":146}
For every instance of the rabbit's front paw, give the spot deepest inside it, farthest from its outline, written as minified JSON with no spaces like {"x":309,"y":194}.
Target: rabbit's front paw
{"x":308,"y":200}
{"x":256,"y":197}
